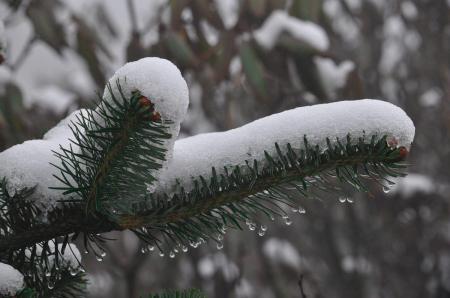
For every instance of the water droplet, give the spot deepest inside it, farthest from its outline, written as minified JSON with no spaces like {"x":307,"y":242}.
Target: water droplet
{"x":288,"y":221}
{"x":342,"y":199}
{"x":103,"y":254}
{"x":161,"y":254}
{"x":252,"y":227}
{"x":86,"y":252}
{"x":81,"y":269}
{"x":302,"y":210}
{"x":184,"y":248}
{"x":350,"y":200}
{"x":386,"y":189}
{"x":99,"y":258}
{"x":295,"y":210}
{"x":220,"y":237}
{"x":150,"y":248}
{"x":272,"y":218}
{"x":219,"y":245}
{"x":172,"y":254}
{"x":47,"y":273}
{"x":143,"y":250}
{"x":261,"y":233}
{"x":51,"y":285}
{"x":73,"y":271}
{"x":263,"y":228}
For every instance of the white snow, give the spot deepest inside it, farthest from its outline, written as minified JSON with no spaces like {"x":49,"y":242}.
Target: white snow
{"x":333,"y":76}
{"x":413,"y":184}
{"x":196,"y":155}
{"x":283,"y":252}
{"x":228,"y":11}
{"x":53,"y":98}
{"x":71,"y":256}
{"x":11,"y":280}
{"x":28,"y":165}
{"x":280,"y":22}
{"x":218,"y":262}
{"x":431,"y":98}
{"x":2,"y":39}
{"x":159,"y":80}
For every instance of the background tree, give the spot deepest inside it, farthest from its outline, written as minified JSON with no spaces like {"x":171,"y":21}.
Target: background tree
{"x":387,"y":41}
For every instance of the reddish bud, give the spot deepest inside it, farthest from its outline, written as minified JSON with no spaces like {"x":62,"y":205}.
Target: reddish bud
{"x":145,"y":102}
{"x":403,"y":152}
{"x":155,"y":117}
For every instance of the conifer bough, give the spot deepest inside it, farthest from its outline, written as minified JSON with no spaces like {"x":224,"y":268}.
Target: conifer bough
{"x":118,"y":167}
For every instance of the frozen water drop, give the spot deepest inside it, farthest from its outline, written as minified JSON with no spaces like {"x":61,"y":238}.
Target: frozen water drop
{"x":288,"y":221}
{"x":73,"y":271}
{"x":51,"y":285}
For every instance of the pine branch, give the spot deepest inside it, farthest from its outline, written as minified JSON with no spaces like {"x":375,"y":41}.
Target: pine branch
{"x":231,"y":199}
{"x":116,"y":151}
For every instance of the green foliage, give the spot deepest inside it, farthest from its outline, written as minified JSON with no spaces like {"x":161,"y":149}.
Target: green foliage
{"x":116,"y":150}
{"x":191,"y":293}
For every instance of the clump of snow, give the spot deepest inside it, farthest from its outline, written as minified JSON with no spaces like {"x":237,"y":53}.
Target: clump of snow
{"x":2,"y":40}
{"x":28,"y":165}
{"x":413,"y":184}
{"x":409,"y":10}
{"x":195,"y":156}
{"x":218,"y":262}
{"x":11,"y":280}
{"x":70,"y":257}
{"x":280,"y":22}
{"x":431,"y":98}
{"x":53,"y":98}
{"x":228,"y":11}
{"x":283,"y":252}
{"x":333,"y":76}
{"x":160,"y":81}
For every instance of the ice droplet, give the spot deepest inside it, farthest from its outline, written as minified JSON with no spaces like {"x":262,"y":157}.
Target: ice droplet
{"x":73,"y":271}
{"x":287,"y":221}
{"x":51,"y":285}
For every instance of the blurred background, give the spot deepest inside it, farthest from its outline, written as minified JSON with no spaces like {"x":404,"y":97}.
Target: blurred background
{"x":244,"y":60}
